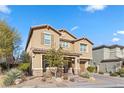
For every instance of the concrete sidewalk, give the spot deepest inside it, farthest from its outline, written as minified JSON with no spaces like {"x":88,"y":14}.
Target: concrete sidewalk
{"x":102,"y":81}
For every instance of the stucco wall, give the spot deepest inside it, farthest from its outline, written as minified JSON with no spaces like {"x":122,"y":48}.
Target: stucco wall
{"x":37,"y":65}
{"x":98,"y":55}
{"x":88,"y":53}
{"x":106,"y":53}
{"x":112,"y":53}
{"x":36,"y":61}
{"x":36,"y":42}
{"x":110,"y":66}
{"x":36,"y":39}
{"x":70,"y":48}
{"x":66,"y":36}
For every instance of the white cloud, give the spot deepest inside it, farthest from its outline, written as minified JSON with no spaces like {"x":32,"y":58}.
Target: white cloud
{"x":4,"y":9}
{"x":74,"y":28}
{"x":120,"y":32}
{"x":93,"y":8}
{"x":115,"y":39}
{"x":115,"y":34}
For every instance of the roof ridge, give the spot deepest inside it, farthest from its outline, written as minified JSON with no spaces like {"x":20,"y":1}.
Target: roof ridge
{"x":65,"y":30}
{"x":81,"y":39}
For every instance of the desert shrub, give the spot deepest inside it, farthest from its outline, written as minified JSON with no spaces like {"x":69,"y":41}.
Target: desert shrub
{"x":121,"y":75}
{"x":121,"y":72}
{"x":65,"y":77}
{"x":114,"y":74}
{"x":48,"y":74}
{"x":85,"y":75}
{"x":24,"y":67}
{"x":59,"y":72}
{"x":91,"y":69}
{"x":44,"y":79}
{"x":72,"y":79}
{"x":11,"y":76}
{"x":101,"y":72}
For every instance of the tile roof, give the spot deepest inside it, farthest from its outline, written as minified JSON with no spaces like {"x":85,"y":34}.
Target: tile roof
{"x":108,"y":46}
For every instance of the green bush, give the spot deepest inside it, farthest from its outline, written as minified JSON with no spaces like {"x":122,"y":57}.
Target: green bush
{"x":11,"y":76}
{"x":101,"y":72}
{"x":91,"y":69}
{"x":121,"y":75}
{"x":85,"y":75}
{"x":3,"y":66}
{"x":24,"y":66}
{"x":114,"y":74}
{"x":121,"y":71}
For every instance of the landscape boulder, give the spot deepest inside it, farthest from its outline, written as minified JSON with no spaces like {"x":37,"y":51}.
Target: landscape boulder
{"x":59,"y":79}
{"x":17,"y":81}
{"x":92,"y":78}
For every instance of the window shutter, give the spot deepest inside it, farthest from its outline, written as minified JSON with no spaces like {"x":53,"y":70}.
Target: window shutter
{"x":42,"y":38}
{"x":52,"y":41}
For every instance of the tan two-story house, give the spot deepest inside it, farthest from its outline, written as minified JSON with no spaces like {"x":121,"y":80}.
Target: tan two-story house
{"x":78,"y":52}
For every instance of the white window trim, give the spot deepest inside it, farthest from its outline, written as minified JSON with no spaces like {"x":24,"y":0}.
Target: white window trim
{"x":86,"y":48}
{"x":45,"y":32}
{"x":44,"y":38}
{"x":64,"y":44}
{"x":37,"y":68}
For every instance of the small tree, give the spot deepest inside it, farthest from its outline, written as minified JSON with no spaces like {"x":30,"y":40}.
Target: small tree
{"x":55,"y":59}
{"x":10,"y":41}
{"x":25,"y":58}
{"x":25,"y":65}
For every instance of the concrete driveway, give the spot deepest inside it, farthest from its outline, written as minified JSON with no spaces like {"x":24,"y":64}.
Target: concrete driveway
{"x":102,"y":81}
{"x":108,"y":81}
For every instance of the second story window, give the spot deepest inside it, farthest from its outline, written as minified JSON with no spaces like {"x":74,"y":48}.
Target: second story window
{"x":83,"y":48}
{"x":64,"y":44}
{"x":47,"y":38}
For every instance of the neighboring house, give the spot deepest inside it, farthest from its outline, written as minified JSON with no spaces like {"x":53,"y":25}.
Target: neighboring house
{"x":9,"y":59}
{"x":108,"y":58}
{"x":78,"y":52}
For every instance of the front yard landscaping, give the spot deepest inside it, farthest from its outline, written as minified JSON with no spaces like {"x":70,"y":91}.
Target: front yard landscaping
{"x":2,"y":80}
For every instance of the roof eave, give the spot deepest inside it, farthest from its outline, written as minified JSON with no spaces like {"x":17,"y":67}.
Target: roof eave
{"x":83,"y":39}
{"x":68,"y":33}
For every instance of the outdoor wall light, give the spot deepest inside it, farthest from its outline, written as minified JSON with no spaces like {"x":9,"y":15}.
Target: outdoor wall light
{"x":33,"y":56}
{"x":72,"y":59}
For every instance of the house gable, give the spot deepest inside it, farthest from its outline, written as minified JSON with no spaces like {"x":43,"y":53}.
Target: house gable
{"x":37,"y":28}
{"x":82,"y":39}
{"x":66,"y":35}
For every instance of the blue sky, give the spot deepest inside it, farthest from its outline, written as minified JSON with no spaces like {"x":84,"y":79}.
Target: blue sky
{"x":101,"y":24}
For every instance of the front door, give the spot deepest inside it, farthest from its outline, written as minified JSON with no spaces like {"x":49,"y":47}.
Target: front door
{"x":44,"y":63}
{"x":82,"y":66}
{"x":69,"y":67}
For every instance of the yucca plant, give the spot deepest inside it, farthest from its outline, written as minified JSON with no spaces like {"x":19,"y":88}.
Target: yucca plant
{"x":11,"y":76}
{"x":85,"y":75}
